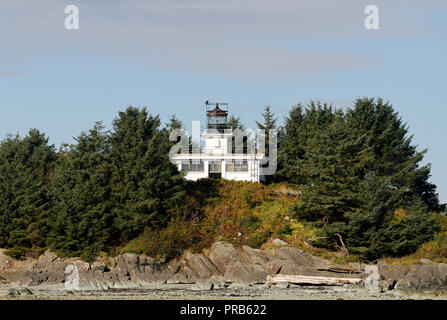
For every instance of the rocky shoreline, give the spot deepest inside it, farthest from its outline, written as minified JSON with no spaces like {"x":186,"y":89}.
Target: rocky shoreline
{"x":221,"y":272}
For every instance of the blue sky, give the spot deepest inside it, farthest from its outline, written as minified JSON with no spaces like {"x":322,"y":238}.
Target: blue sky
{"x":172,"y":55}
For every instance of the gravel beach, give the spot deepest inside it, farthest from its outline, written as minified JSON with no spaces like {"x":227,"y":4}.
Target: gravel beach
{"x":188,"y":292}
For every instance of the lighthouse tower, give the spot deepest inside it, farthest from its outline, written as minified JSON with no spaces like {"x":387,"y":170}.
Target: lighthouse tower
{"x":216,"y":158}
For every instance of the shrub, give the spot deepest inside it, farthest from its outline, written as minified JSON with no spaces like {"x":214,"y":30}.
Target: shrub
{"x":170,"y":242}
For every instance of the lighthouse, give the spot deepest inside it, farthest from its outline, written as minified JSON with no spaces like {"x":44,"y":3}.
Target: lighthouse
{"x":218,"y":155}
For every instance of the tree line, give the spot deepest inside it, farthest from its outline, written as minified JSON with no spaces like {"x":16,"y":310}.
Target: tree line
{"x":356,"y":168}
{"x":89,"y":196}
{"x":361,"y":177}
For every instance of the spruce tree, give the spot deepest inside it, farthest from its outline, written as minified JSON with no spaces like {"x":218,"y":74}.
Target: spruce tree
{"x":145,"y":185}
{"x":355,"y":170}
{"x":318,"y":155}
{"x":26,"y":167}
{"x":234,"y":123}
{"x":82,"y":218}
{"x":394,"y":154}
{"x":174,"y":123}
{"x":267,"y":125}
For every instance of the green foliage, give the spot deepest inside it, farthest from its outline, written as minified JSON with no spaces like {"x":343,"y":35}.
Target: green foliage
{"x":268,"y":125}
{"x":81,"y":223}
{"x":242,"y":213}
{"x":26,"y":166}
{"x":110,"y":186}
{"x":234,"y":123}
{"x":357,"y":172}
{"x":356,"y":168}
{"x":169,"y":242}
{"x":269,"y":119}
{"x":145,"y":185}
{"x":174,"y":123}
{"x":435,"y":249}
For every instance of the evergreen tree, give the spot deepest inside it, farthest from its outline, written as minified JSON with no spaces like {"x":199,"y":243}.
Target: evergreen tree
{"x":145,"y":186}
{"x":393,"y":154}
{"x":355,"y":170}
{"x":372,"y":230}
{"x":174,"y":123}
{"x":26,"y":167}
{"x":268,"y":124}
{"x":82,"y":220}
{"x":318,"y":155}
{"x":234,"y":123}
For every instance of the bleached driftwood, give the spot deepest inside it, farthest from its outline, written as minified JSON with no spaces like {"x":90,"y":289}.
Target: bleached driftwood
{"x":312,"y":280}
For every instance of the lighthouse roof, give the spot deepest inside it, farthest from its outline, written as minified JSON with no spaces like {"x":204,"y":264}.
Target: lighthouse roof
{"x":217,"y":112}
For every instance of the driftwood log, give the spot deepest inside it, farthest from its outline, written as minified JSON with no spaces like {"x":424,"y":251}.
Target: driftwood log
{"x":312,"y":280}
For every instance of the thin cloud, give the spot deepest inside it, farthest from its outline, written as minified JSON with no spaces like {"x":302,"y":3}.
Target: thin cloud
{"x":233,"y":38}
{"x":4,"y":73}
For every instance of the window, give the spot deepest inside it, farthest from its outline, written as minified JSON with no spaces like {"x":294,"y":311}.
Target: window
{"x":237,"y":166}
{"x":193,"y":166}
{"x":215,"y":166}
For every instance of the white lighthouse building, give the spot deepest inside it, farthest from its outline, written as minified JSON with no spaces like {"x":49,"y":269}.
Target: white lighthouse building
{"x":217,"y":156}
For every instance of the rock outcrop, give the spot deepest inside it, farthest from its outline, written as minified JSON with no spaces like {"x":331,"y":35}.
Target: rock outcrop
{"x":222,"y":265}
{"x":417,"y":277}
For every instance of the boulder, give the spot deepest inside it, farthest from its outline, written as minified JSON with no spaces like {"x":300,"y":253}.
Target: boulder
{"x":429,"y":277}
{"x":25,"y":291}
{"x":222,"y":254}
{"x":13,"y":292}
{"x":45,"y":260}
{"x":98,"y":266}
{"x":279,"y":242}
{"x":180,"y":278}
{"x":273,"y":268}
{"x":149,"y":278}
{"x":253,"y":256}
{"x":245,"y":273}
{"x":127,"y":264}
{"x":21,"y":278}
{"x":392,"y":273}
{"x":130,"y":259}
{"x":283,"y":285}
{"x":82,"y":266}
{"x":202,"y":266}
{"x":169,"y":269}
{"x":145,"y":261}
{"x":289,"y":256}
{"x":245,"y":266}
{"x":388,"y":284}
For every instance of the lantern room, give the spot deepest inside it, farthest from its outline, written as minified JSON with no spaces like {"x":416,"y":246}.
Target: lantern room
{"x":216,"y":116}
